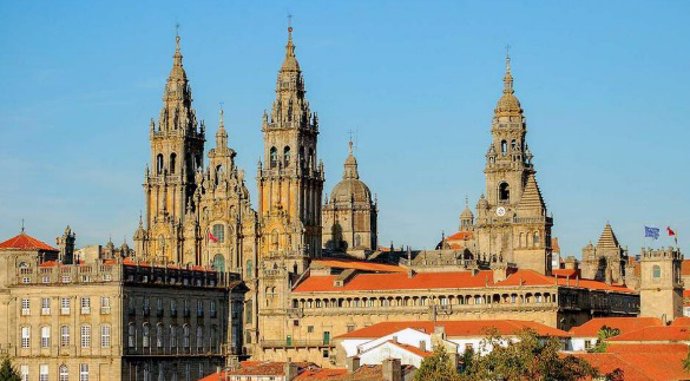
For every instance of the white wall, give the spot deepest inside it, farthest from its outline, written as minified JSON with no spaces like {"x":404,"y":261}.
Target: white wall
{"x":376,"y":355}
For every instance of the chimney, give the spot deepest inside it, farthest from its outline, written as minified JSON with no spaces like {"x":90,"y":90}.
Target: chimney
{"x":290,"y":370}
{"x":391,"y":370}
{"x":440,"y":331}
{"x":395,"y":339}
{"x":422,"y":345}
{"x":352,"y":364}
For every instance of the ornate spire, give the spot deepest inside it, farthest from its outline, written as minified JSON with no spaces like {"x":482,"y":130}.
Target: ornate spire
{"x":508,"y":105}
{"x":177,"y":112}
{"x":350,"y":164}
{"x":221,"y":134}
{"x":290,"y":63}
{"x":508,"y":78}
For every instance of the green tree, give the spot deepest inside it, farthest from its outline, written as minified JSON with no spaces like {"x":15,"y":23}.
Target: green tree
{"x":437,"y":367}
{"x":529,"y":358}
{"x":7,"y":371}
{"x":603,"y":334}
{"x":686,"y":362}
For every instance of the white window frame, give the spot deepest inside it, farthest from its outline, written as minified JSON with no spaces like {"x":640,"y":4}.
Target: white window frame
{"x":45,"y":306}
{"x":106,"y":336}
{"x":83,"y":372}
{"x":26,"y":337}
{"x":63,"y":373}
{"x":45,"y":336}
{"x":26,"y":307}
{"x":24,"y":372}
{"x":65,"y":303}
{"x":64,"y":336}
{"x":43,"y":372}
{"x":85,"y":336}
{"x":85,"y":304}
{"x":105,"y":305}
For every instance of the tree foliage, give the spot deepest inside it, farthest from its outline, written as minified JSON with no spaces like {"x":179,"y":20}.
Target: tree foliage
{"x":604,"y":333}
{"x":440,"y":366}
{"x":7,"y":371}
{"x":528,"y":358}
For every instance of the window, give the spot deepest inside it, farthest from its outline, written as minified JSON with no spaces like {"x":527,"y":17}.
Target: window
{"x":513,"y":145}
{"x":274,"y":240}
{"x":504,"y":147}
{"x":85,"y":304}
{"x":199,"y":308}
{"x":273,"y":159}
{"x":310,"y":329}
{"x":248,"y":312}
{"x":212,"y":309}
{"x":286,"y":156}
{"x":131,"y":335}
{"x":187,"y":372}
{"x":173,"y":307}
{"x":504,"y":192}
{"x":326,"y":337}
{"x":185,"y":336}
{"x":250,"y":268}
{"x":83,"y":372}
{"x":159,"y":307}
{"x":64,"y":336}
{"x":86,"y":336}
{"x":588,"y":344}
{"x":105,"y":336}
{"x":147,"y":306}
{"x":63,"y":373}
{"x":26,"y":337}
{"x":26,"y":307}
{"x":173,"y":158}
{"x":325,"y":353}
{"x":43,"y":372}
{"x":656,"y":272}
{"x":105,"y":305}
{"x":173,"y":336}
{"x":186,"y":308}
{"x":45,"y":337}
{"x":159,"y":164}
{"x":219,"y":262}
{"x":219,"y":232}
{"x":64,"y":306}
{"x":159,"y":335}
{"x":24,"y":372}
{"x":45,"y":306}
{"x":199,"y":337}
{"x":535,"y":240}
{"x":145,"y":335}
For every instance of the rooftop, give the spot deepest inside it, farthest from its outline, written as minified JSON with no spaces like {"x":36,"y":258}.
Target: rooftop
{"x":458,"y":328}
{"x":25,"y":242}
{"x":623,"y":324}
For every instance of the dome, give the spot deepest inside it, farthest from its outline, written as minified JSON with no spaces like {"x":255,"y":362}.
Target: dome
{"x":508,"y":104}
{"x":350,"y":188}
{"x":466,"y":214}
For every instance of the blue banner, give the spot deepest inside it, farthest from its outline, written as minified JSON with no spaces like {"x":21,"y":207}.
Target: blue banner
{"x":651,"y":232}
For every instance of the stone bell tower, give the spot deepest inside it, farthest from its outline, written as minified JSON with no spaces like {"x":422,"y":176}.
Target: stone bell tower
{"x":661,"y":285}
{"x":512,"y":221}
{"x":290,"y":182}
{"x":177,"y":146}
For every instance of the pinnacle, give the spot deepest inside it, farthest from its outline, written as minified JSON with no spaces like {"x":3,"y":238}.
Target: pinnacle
{"x":531,"y":196}
{"x":608,"y":239}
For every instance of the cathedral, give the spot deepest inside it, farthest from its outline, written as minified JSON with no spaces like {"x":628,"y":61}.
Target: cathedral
{"x":312,"y":264}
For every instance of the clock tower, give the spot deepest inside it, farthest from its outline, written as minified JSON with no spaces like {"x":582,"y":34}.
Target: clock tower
{"x":512,"y":223}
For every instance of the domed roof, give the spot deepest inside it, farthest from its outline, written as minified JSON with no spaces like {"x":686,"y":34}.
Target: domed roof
{"x":467,"y":213}
{"x":508,"y":104}
{"x":350,"y":188}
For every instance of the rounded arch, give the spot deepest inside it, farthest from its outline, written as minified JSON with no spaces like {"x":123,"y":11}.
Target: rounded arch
{"x":504,"y":191}
{"x":535,"y":239}
{"x":173,"y":162}
{"x":504,"y":147}
{"x":274,"y":239}
{"x":219,"y":262}
{"x":273,"y":157}
{"x":159,"y":164}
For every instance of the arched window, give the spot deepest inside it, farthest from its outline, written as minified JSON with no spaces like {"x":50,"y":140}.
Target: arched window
{"x":219,"y":173}
{"x":358,"y":240}
{"x":199,"y":336}
{"x":273,"y":159}
{"x":311,"y":157}
{"x":504,"y":147}
{"x":173,"y":336}
{"x":656,"y":272}
{"x":301,"y":157}
{"x":522,"y":240}
{"x":26,"y":337}
{"x":250,"y":268}
{"x":214,"y":337}
{"x":159,"y":335}
{"x":504,"y":192}
{"x":219,"y":262}
{"x":86,"y":336}
{"x":63,"y":373}
{"x":105,"y":336}
{"x":186,"y":336}
{"x":173,"y":161}
{"x":45,"y":336}
{"x":513,"y":145}
{"x":286,"y":156}
{"x":131,"y":335}
{"x":274,"y":240}
{"x":535,"y":239}
{"x":159,"y":164}
{"x":219,"y":233}
{"x":145,"y":335}
{"x":64,"y":336}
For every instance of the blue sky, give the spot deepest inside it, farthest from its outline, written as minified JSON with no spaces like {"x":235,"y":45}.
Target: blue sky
{"x":604,"y":86}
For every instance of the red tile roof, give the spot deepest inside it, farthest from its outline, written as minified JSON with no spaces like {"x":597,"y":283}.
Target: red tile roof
{"x":532,"y":278}
{"x":685,"y":267}
{"x":398,"y":281}
{"x":412,"y":349}
{"x":658,"y":334}
{"x":624,"y":324}
{"x":457,"y":328}
{"x":682,"y":321}
{"x":459,"y":236}
{"x":24,"y":241}
{"x":646,"y":362}
{"x":364,"y":373}
{"x":565,"y":273}
{"x":357,"y":265}
{"x":255,"y":368}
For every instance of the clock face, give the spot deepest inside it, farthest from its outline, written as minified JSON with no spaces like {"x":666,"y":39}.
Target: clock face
{"x":500,"y":211}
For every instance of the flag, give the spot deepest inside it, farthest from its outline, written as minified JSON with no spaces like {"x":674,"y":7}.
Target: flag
{"x":651,"y":232}
{"x":213,"y":238}
{"x":670,"y":231}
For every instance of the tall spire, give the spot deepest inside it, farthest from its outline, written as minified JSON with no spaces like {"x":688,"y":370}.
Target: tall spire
{"x":508,"y":78}
{"x":221,"y":134}
{"x":508,"y":104}
{"x":290,"y":63}
{"x":350,"y":164}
